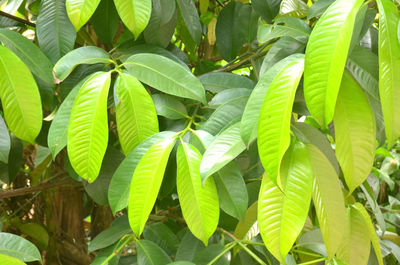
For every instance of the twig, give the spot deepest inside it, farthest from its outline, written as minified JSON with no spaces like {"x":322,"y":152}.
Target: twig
{"x":24,"y":21}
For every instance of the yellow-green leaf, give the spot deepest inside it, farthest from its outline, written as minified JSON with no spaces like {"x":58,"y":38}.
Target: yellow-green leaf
{"x":79,"y":11}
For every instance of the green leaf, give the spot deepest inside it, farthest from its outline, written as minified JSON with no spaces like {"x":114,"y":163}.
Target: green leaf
{"x":326,"y":55}
{"x":248,"y":228}
{"x":389,"y":67}
{"x":88,"y":126}
{"x":58,"y":132}
{"x":328,"y":200}
{"x":29,"y":53}
{"x":282,"y":215}
{"x":7,"y":260}
{"x":199,"y":203}
{"x":146,"y":183}
{"x":232,"y":192}
{"x":219,"y":81}
{"x":284,"y":27}
{"x":83,"y":55}
{"x":252,"y":110}
{"x":356,"y":245}
{"x":228,"y":95}
{"x":354,"y":133}
{"x":118,"y":191}
{"x":5,"y":141}
{"x":163,"y":236}
{"x":191,"y":18}
{"x":318,"y":8}
{"x":135,"y":112}
{"x":169,"y":107}
{"x":18,"y":247}
{"x":274,"y":120}
{"x":105,"y":21}
{"x":165,"y":75}
{"x":293,"y":8}
{"x":188,"y":247}
{"x":148,"y":253}
{"x":55,"y":33}
{"x":225,"y":147}
{"x":79,"y":11}
{"x":267,"y":9}
{"x":20,"y":97}
{"x":135,"y":14}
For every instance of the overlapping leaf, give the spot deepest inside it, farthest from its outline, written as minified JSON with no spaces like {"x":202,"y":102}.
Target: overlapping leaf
{"x":79,"y":11}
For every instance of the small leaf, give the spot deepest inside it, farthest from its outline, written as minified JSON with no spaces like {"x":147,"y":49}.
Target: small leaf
{"x":105,"y":21}
{"x":18,"y":247}
{"x":146,"y":183}
{"x":318,"y":8}
{"x":5,"y":142}
{"x":267,"y":9}
{"x":135,"y":14}
{"x":169,"y":107}
{"x":274,"y":120}
{"x":293,"y":8}
{"x":79,"y":11}
{"x":248,"y":228}
{"x":284,"y":27}
{"x":165,"y":75}
{"x":20,"y":97}
{"x":135,"y":112}
{"x":88,"y":126}
{"x":7,"y":260}
{"x":148,"y":253}
{"x":191,"y":18}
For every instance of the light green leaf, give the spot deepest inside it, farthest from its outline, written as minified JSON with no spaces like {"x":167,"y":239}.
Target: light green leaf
{"x":55,"y":33}
{"x":389,"y":68}
{"x":29,"y":53}
{"x":165,"y":75}
{"x":5,"y":141}
{"x":169,"y":107}
{"x":18,"y":247}
{"x":282,"y":215}
{"x":83,"y":55}
{"x":326,"y":55}
{"x":199,"y":203}
{"x":146,"y":183}
{"x":135,"y":14}
{"x":293,"y":8}
{"x":135,"y":112}
{"x":252,"y":110}
{"x":248,"y":228}
{"x":219,"y":81}
{"x":191,"y":18}
{"x":88,"y":126}
{"x":148,"y":253}
{"x":225,"y":147}
{"x":354,"y":133}
{"x":328,"y":200}
{"x":274,"y":120}
{"x":7,"y":260}
{"x":79,"y":11}
{"x":20,"y":97}
{"x":118,"y":191}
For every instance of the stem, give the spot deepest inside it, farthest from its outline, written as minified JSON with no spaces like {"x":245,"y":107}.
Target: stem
{"x":307,"y":253}
{"x":312,"y":261}
{"x":229,"y":247}
{"x":129,"y":239}
{"x":24,"y":21}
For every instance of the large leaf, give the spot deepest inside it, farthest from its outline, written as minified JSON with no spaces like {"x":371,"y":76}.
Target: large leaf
{"x":328,"y":200}
{"x":148,"y":253}
{"x":293,"y":8}
{"x":29,"y":53}
{"x":135,"y":14}
{"x":105,"y":21}
{"x":5,"y":141}
{"x":18,"y":247}
{"x":165,"y":75}
{"x":135,"y":112}
{"x":326,"y":55}
{"x":169,"y":107}
{"x":226,"y":147}
{"x":58,"y":132}
{"x":228,"y":95}
{"x":284,"y":27}
{"x":146,"y":183}
{"x":188,"y":247}
{"x":79,"y":11}
{"x":118,"y":191}
{"x":389,"y":67}
{"x":282,"y":215}
{"x":83,"y":55}
{"x":251,"y":112}
{"x":267,"y":9}
{"x":354,"y":132}
{"x":199,"y":203}
{"x":191,"y":18}
{"x":55,"y":33}
{"x":248,"y":228}
{"x":88,"y":126}
{"x":7,"y":260}
{"x":274,"y":120}
{"x":20,"y":97}
{"x":219,"y":81}
{"x":163,"y":236}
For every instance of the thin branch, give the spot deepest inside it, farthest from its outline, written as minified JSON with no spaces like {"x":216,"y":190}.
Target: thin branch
{"x":24,"y":21}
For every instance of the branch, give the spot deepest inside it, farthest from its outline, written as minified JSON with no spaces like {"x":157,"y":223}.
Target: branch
{"x":24,"y":21}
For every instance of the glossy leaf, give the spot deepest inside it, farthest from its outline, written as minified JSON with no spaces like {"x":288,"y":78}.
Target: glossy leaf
{"x":79,"y":11}
{"x":88,"y":126}
{"x":225,"y":147}
{"x":55,"y":33}
{"x":135,"y":14}
{"x":328,"y":200}
{"x":354,"y":132}
{"x":326,"y":55}
{"x":83,"y":55}
{"x":274,"y":120}
{"x":18,"y":247}
{"x":248,"y":228}
{"x":191,"y":18}
{"x":7,"y":260}
{"x":5,"y":141}
{"x":148,"y":253}
{"x":135,"y":112}
{"x":20,"y":97}
{"x":282,"y":214}
{"x":294,"y":8}
{"x":199,"y":203}
{"x":165,"y":75}
{"x":169,"y":107}
{"x":146,"y":183}
{"x":389,"y":67}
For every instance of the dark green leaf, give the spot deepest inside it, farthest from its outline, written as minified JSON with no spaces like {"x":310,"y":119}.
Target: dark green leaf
{"x":191,"y":18}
